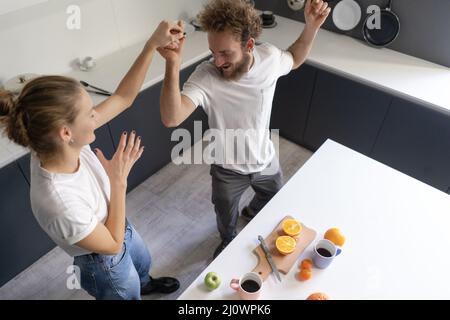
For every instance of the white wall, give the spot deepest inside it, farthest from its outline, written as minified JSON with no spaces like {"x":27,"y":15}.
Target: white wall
{"x":7,"y":6}
{"x":36,"y":40}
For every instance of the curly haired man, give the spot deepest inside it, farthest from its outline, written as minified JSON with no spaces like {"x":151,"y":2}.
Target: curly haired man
{"x":236,"y":88}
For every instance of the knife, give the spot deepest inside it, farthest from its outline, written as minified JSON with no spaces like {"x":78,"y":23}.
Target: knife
{"x":99,"y":90}
{"x":269,"y":258}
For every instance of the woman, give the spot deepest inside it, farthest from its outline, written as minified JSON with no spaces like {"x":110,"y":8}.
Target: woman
{"x":78,"y":198}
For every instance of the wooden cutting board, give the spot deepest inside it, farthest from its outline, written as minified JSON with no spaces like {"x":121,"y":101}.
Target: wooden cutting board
{"x":283,"y":262}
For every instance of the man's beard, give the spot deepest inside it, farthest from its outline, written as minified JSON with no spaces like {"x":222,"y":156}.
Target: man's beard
{"x":241,"y":68}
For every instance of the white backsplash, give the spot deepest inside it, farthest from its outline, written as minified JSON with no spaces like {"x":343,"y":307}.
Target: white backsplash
{"x":36,"y":40}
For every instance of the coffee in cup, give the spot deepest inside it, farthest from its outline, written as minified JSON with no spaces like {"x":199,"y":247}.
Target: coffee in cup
{"x":248,"y":286}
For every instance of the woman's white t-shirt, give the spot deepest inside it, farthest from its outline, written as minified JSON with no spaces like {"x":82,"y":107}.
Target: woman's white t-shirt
{"x":69,"y":206}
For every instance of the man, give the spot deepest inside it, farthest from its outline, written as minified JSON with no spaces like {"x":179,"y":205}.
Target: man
{"x":236,"y":89}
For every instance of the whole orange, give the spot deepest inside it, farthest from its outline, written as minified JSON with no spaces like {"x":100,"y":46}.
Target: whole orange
{"x":335,"y":236}
{"x":304,"y":274}
{"x":318,"y":296}
{"x":306,"y":264}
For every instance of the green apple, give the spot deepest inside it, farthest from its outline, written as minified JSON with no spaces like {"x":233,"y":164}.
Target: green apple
{"x":212,"y":280}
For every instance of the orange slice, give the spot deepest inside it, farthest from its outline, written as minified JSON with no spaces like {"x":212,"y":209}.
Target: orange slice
{"x":292,"y":227}
{"x":285,"y":244}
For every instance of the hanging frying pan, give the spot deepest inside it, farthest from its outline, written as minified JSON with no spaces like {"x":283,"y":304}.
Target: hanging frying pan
{"x":388,"y":30}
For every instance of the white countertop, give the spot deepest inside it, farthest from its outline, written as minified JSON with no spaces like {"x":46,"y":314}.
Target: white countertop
{"x":9,"y":151}
{"x":385,"y":69}
{"x":396,"y":232}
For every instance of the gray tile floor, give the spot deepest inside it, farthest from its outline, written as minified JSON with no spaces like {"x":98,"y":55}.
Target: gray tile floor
{"x":173,"y":213}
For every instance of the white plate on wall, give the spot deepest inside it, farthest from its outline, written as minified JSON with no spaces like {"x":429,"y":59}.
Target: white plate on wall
{"x":346,"y":15}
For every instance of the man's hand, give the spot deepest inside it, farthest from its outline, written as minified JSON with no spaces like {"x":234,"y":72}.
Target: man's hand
{"x":172,"y":54}
{"x":166,"y":34}
{"x":316,"y":12}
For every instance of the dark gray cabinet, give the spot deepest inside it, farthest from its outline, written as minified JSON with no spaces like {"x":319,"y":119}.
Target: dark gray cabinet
{"x":104,"y":141}
{"x":291,"y":103}
{"x":24,"y":166}
{"x":346,"y":111}
{"x":199,"y":114}
{"x":416,"y":140}
{"x":22,"y":240}
{"x":144,"y":117}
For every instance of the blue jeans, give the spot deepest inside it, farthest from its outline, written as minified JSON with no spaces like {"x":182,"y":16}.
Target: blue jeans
{"x":120,"y":276}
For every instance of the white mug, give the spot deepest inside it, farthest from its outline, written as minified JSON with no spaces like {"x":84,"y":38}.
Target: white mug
{"x":87,"y":63}
{"x":248,"y":286}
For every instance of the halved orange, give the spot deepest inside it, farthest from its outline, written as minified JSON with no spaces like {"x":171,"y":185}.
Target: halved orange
{"x":292,"y":227}
{"x":285,"y":244}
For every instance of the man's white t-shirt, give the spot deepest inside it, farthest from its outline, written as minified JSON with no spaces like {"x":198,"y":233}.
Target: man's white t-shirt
{"x":243,"y":104}
{"x":69,"y":206}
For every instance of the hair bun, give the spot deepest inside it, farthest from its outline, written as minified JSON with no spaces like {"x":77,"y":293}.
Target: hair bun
{"x":12,"y":122}
{"x":7,"y":104}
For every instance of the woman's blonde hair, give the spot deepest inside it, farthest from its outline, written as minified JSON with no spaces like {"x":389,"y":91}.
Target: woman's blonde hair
{"x":44,"y":105}
{"x":237,"y":16}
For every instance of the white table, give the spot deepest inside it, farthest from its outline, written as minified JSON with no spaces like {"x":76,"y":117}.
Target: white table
{"x":397,"y":230}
